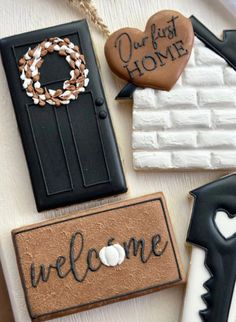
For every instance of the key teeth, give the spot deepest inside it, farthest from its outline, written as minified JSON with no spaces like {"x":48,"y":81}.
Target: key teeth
{"x":204,"y":314}
{"x":208,"y":284}
{"x":206,"y":298}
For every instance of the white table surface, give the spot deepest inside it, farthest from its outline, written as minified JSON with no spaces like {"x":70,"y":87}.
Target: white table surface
{"x":17,"y":206}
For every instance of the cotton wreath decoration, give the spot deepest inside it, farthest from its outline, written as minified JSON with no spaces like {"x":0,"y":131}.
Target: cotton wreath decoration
{"x":29,"y":67}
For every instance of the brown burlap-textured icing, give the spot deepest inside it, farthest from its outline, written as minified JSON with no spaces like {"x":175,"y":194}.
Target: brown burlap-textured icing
{"x":62,"y":272}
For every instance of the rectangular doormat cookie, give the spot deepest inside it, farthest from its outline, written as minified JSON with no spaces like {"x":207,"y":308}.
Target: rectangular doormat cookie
{"x":96,"y":257}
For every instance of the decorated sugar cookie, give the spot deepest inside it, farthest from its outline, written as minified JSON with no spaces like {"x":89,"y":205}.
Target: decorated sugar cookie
{"x":191,"y":127}
{"x":62,"y":115}
{"x":100,"y":256}
{"x":210,"y":294}
{"x":183,"y":100}
{"x":153,"y":58}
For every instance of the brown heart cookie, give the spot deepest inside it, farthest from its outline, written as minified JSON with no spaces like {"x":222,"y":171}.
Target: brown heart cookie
{"x":153,"y":58}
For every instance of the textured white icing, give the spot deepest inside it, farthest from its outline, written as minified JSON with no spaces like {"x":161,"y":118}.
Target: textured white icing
{"x":86,"y":81}
{"x":51,"y":91}
{"x":37,"y":52}
{"x":193,"y":126}
{"x":35,"y":72}
{"x":36,"y":100}
{"x":65,"y":93}
{"x":43,"y":97}
{"x":78,"y":63}
{"x":27,"y":82}
{"x":37,"y":84}
{"x":72,"y":73}
{"x":50,"y":102}
{"x":121,"y":252}
{"x":72,"y":97}
{"x":22,"y":76}
{"x":68,"y":59}
{"x":65,"y":85}
{"x":64,"y":47}
{"x":86,"y":72}
{"x":112,"y":255}
{"x":35,"y":62}
{"x":65,"y":102}
{"x":71,"y":45}
{"x":26,"y":56}
{"x":69,"y":50}
{"x":57,"y":47}
{"x":47,"y":44}
{"x":58,"y":39}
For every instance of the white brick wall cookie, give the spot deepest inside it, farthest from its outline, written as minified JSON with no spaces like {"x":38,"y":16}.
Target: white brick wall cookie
{"x":194,"y":125}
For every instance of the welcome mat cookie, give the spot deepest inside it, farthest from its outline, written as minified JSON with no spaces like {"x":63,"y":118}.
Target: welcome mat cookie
{"x":96,"y":257}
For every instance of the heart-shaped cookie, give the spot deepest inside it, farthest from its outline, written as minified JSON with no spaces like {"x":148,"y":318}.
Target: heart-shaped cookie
{"x":153,"y":58}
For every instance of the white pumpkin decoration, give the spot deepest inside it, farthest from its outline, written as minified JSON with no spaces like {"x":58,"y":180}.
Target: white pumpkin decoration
{"x":112,"y":255}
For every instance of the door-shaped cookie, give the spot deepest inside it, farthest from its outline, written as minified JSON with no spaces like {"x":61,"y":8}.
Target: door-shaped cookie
{"x":62,"y":115}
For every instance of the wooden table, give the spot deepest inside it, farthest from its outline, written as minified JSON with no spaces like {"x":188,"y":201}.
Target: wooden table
{"x":17,"y":206}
